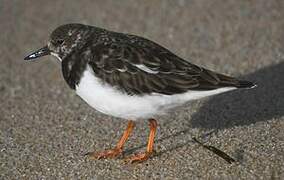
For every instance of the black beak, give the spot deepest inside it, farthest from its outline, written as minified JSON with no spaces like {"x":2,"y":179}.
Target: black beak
{"x":39,"y":53}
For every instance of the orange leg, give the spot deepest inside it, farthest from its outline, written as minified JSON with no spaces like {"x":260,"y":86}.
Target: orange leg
{"x":118,"y":149}
{"x":149,"y":151}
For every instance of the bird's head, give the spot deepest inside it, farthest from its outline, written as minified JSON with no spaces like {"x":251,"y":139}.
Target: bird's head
{"x":62,"y":41}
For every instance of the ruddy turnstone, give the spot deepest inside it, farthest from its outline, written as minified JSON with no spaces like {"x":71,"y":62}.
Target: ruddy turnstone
{"x":129,"y":77}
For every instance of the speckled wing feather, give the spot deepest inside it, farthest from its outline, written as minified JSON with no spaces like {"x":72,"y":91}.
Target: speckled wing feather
{"x":140,"y":66}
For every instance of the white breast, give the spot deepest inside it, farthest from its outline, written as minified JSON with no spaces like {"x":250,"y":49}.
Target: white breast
{"x":109,"y":100}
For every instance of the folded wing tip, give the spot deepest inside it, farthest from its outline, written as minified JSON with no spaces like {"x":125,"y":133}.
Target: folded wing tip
{"x":246,"y":84}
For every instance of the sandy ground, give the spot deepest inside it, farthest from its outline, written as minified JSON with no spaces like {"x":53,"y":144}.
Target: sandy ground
{"x":45,"y":128}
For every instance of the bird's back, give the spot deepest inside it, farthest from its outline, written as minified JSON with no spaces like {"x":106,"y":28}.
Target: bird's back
{"x":140,"y":66}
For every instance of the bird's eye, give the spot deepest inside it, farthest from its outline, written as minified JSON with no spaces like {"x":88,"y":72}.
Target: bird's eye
{"x":60,"y":41}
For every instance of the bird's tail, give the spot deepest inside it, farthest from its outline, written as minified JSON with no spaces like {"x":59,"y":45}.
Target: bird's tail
{"x":212,"y":80}
{"x":245,"y":84}
{"x":231,"y":81}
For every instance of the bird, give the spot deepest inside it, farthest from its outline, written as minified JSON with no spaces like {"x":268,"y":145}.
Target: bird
{"x":129,"y":77}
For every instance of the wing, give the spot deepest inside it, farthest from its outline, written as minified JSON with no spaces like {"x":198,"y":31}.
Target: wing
{"x":144,"y":67}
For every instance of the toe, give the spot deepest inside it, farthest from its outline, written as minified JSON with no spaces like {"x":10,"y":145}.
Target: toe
{"x":104,"y":154}
{"x":138,"y":158}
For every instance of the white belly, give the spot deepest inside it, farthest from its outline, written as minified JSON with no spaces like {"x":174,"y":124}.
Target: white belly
{"x":110,"y":101}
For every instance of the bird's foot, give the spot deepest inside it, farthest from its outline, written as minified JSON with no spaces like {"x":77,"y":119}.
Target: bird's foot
{"x":111,"y":153}
{"x":138,"y":158}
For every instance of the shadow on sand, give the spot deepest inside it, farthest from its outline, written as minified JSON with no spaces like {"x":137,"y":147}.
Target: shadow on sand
{"x":245,"y":107}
